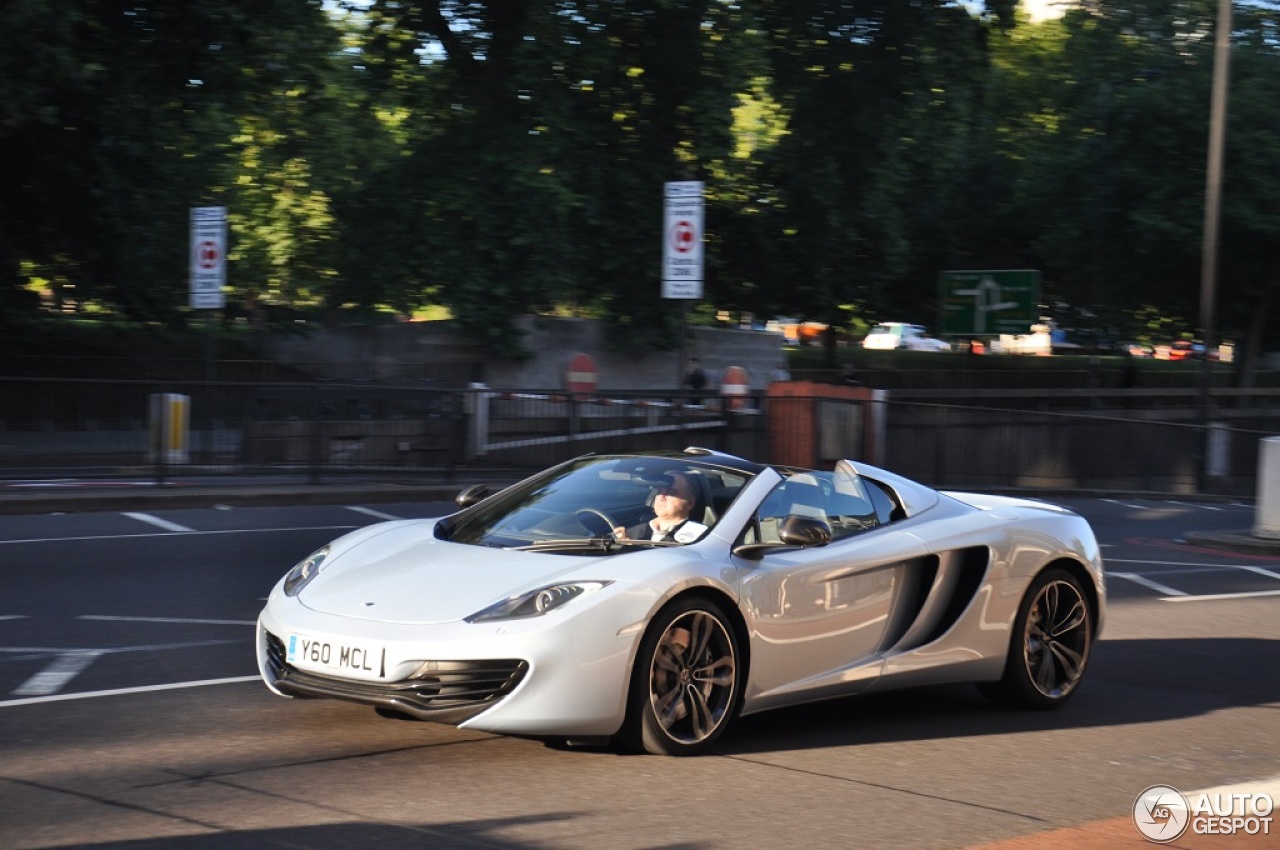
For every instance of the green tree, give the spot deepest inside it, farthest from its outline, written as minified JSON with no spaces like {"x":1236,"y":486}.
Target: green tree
{"x":117,"y":117}
{"x":863,"y":197}
{"x":1249,"y":259}
{"x":1104,"y":132}
{"x":539,"y":140}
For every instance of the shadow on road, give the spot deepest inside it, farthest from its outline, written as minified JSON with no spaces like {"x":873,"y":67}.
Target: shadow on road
{"x":1128,"y":682}
{"x":468,"y":835}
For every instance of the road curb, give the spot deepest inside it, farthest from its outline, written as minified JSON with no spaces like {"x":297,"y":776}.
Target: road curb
{"x":1235,"y":541}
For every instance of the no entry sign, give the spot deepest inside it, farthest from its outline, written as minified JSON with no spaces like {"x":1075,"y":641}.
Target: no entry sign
{"x":735,"y":387}
{"x":581,"y":376}
{"x":208,"y":257}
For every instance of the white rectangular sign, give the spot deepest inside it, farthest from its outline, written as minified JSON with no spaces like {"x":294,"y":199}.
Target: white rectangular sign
{"x":208,"y":257}
{"x":682,"y":240}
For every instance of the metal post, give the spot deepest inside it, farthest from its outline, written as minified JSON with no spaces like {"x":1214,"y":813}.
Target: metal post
{"x":684,"y":345}
{"x":1212,"y":216}
{"x":317,"y":441}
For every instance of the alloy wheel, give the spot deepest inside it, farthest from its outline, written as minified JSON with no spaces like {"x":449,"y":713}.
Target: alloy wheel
{"x":1056,"y":645}
{"x":692,"y":678}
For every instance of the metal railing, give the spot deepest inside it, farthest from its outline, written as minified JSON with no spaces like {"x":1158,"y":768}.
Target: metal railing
{"x":1142,"y":439}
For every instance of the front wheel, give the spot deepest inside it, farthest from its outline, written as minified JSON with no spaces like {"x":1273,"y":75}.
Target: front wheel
{"x":685,"y":687}
{"x":1052,"y":637}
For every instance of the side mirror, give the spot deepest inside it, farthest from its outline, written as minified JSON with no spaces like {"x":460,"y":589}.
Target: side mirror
{"x":471,"y":495}
{"x":797,"y":530}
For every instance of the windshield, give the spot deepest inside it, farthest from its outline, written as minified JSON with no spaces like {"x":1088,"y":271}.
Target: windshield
{"x":619,"y":499}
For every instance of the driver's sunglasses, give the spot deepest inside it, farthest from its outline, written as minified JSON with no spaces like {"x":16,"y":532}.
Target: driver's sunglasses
{"x":671,"y":491}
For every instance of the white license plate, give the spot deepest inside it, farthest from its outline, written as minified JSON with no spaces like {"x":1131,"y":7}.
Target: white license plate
{"x":361,"y":660}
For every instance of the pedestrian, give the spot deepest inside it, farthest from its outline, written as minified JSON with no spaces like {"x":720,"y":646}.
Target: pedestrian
{"x":695,"y":378}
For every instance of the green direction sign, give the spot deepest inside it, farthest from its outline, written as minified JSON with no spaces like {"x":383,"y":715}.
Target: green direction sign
{"x":985,"y":303}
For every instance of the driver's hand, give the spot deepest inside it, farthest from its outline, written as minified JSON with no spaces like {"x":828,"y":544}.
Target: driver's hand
{"x":620,"y":532}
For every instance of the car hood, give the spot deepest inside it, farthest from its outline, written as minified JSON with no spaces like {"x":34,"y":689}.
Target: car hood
{"x":400,"y":572}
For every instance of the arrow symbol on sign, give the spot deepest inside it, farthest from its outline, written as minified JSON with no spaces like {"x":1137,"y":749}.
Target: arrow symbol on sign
{"x":986,"y":299}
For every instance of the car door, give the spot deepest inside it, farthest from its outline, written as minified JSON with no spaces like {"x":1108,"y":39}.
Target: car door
{"x":818,"y":616}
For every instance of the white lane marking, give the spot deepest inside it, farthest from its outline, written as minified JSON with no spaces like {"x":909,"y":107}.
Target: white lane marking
{"x":55,"y":676}
{"x":108,"y":617}
{"x":1185,"y":564}
{"x":1259,"y":570}
{"x":1171,"y":595}
{"x":1192,"y":505}
{"x":1126,"y":504}
{"x":1150,"y":506}
{"x":1147,"y":583}
{"x":124,"y":691}
{"x":157,"y":522}
{"x":1211,"y":597}
{"x":111,"y":650}
{"x":191,"y":533}
{"x":69,"y":662}
{"x":371,"y":512}
{"x":13,"y":616}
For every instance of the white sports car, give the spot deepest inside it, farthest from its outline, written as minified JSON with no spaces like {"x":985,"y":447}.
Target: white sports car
{"x":543,"y":610}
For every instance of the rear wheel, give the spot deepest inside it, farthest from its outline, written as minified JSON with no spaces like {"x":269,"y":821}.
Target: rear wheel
{"x":1052,"y":638}
{"x":685,"y":687}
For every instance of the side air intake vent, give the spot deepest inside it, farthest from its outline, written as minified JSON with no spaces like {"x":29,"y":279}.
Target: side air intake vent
{"x":937,"y":590}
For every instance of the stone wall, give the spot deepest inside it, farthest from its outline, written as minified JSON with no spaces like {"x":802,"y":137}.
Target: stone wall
{"x":439,"y":350}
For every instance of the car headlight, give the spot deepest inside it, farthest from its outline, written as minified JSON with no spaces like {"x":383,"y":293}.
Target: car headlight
{"x":535,"y":603}
{"x":304,"y":571}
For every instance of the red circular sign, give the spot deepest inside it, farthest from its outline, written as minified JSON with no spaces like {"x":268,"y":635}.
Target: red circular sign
{"x":207,"y":254}
{"x":684,"y":236}
{"x":581,"y":376}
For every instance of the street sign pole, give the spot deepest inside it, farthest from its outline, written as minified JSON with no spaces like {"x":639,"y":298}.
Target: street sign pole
{"x":208,"y":277}
{"x":682,"y":266}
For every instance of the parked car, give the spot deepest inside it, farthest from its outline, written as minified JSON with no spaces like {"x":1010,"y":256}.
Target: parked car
{"x":1185,"y":349}
{"x":888,"y":336}
{"x":525,"y":613}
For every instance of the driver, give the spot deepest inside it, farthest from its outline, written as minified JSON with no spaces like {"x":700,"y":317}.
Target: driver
{"x":672,"y":504}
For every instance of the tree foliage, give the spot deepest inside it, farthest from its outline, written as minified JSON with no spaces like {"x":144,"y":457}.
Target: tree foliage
{"x":1106,"y":122}
{"x":500,"y":157}
{"x":118,"y":116}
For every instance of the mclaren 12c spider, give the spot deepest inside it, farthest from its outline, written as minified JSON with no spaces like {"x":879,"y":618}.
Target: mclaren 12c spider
{"x":531,"y":611}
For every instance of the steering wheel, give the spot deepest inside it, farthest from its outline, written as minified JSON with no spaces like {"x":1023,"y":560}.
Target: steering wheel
{"x":598,"y":523}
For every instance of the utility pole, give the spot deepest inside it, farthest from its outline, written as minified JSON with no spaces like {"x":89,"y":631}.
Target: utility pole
{"x":1212,"y":216}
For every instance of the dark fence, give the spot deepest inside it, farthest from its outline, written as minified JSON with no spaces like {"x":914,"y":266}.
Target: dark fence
{"x":1171,"y":441}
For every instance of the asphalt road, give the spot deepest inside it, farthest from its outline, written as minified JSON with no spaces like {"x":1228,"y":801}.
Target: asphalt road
{"x":130,"y":714}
